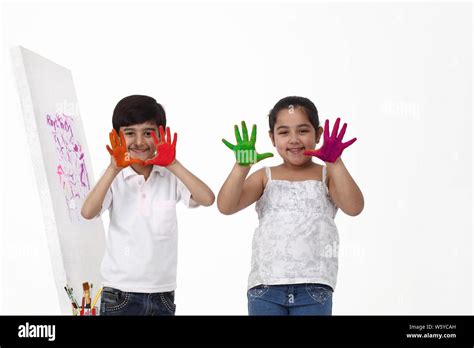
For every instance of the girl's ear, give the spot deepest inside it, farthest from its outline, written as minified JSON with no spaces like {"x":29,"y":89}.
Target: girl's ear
{"x":270,"y":133}
{"x":319,"y":131}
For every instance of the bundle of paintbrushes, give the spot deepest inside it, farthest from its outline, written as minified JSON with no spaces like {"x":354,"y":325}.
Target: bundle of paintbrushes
{"x":88,"y":306}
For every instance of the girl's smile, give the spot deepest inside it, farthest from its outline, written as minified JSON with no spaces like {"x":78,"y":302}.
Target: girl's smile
{"x":296,"y":150}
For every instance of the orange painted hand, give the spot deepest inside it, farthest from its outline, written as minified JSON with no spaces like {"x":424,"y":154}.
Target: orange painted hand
{"x":119,"y":152}
{"x":165,"y":149}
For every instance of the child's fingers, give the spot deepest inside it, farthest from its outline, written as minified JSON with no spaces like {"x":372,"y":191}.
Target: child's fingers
{"x":162,"y":134}
{"x":123,"y":143}
{"x":263,"y":156}
{"x":118,"y":142}
{"x":253,"y":137}
{"x":349,"y":143}
{"x":238,"y":138}
{"x":336,"y":128}
{"x":168,"y":135}
{"x":112,"y":139}
{"x":310,"y":152}
{"x":245,"y":133}
{"x":343,"y":131}
{"x":326,"y":130}
{"x":155,"y":138}
{"x":229,"y":145}
{"x":175,"y":139}
{"x":116,"y":138}
{"x":110,"y":150}
{"x":135,"y":161}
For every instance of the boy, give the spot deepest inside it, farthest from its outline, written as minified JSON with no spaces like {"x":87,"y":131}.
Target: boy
{"x":141,"y":189}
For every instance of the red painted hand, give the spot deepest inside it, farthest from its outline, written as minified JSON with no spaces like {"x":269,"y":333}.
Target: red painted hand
{"x":333,"y":146}
{"x":165,"y":149}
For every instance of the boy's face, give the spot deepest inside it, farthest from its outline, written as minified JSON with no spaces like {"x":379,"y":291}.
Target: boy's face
{"x":293,"y":134}
{"x":140,"y":143}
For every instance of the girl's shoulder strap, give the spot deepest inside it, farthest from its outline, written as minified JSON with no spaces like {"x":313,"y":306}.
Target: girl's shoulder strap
{"x":325,"y":184}
{"x":269,"y":173}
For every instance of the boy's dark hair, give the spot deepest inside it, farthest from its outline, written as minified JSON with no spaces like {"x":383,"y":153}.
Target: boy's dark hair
{"x":136,"y":109}
{"x":307,"y":105}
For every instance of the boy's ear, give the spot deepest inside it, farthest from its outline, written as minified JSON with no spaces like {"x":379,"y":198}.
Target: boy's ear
{"x":270,"y":133}
{"x":319,"y":131}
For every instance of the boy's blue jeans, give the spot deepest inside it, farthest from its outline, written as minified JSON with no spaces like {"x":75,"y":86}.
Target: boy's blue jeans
{"x":116,"y":302}
{"x":294,"y":299}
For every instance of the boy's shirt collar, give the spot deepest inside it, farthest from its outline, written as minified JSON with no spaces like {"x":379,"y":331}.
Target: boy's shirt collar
{"x":129,"y":172}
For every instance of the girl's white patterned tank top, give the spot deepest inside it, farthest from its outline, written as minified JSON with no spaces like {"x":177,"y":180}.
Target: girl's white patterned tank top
{"x":296,"y":240}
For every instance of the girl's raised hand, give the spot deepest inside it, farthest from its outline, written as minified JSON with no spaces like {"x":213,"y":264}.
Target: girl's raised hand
{"x":120,"y":157}
{"x":165,"y":149}
{"x":333,"y":146}
{"x":244,"y":150}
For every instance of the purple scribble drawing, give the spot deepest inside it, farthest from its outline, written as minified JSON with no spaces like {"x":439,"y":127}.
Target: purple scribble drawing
{"x":71,"y":168}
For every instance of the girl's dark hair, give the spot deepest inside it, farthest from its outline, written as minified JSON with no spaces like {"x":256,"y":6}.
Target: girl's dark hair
{"x":307,"y":105}
{"x":136,"y":109}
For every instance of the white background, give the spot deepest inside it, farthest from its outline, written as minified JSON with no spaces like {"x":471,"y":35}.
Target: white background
{"x":399,"y":74}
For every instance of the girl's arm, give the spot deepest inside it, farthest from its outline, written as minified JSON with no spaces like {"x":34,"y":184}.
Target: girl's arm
{"x":200,"y":192}
{"x":93,"y":203}
{"x":237,"y":193}
{"x":343,"y":190}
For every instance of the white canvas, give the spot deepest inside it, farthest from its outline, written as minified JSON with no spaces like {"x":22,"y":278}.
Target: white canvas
{"x":63,"y":171}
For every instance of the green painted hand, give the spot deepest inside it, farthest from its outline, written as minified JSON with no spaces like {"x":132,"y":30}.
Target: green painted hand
{"x":244,"y":151}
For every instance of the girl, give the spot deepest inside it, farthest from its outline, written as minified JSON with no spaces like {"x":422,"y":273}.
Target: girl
{"x":295,"y":247}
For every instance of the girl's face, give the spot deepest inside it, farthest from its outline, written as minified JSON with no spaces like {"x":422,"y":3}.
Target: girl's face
{"x":139,"y":141}
{"x":293,"y":134}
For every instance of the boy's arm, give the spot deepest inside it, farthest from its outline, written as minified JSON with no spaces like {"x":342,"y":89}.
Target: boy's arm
{"x":93,"y":203}
{"x":237,"y":193}
{"x":343,"y":190}
{"x":200,"y":192}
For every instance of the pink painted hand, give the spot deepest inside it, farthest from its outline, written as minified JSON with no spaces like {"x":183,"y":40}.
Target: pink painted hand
{"x":333,"y":146}
{"x":165,"y":149}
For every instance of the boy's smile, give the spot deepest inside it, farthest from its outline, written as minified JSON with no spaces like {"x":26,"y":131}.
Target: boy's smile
{"x":139,"y":153}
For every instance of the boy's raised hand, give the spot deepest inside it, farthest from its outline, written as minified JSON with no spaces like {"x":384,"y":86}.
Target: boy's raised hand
{"x":333,"y":146}
{"x":165,"y":149}
{"x":119,"y":152}
{"x":244,"y":150}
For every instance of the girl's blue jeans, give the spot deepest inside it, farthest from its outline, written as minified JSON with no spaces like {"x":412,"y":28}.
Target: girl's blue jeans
{"x":294,"y":299}
{"x":116,"y":302}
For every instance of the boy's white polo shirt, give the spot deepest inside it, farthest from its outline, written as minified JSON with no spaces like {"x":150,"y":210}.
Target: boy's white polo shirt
{"x":142,"y":243}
